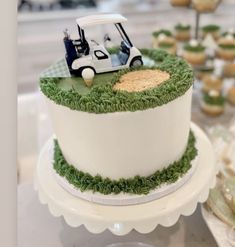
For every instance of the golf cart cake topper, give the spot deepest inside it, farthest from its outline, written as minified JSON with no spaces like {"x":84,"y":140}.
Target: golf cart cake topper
{"x":87,"y":57}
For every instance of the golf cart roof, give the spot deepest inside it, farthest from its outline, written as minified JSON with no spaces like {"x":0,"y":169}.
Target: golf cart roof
{"x":100,"y":19}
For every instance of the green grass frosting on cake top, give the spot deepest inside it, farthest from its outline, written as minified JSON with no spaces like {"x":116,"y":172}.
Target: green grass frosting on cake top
{"x":102,"y":98}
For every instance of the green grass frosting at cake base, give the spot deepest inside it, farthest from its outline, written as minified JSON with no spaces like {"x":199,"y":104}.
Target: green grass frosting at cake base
{"x":135,"y":185}
{"x":102,"y":98}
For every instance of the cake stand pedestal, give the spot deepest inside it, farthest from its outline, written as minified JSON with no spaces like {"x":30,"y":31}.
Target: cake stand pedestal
{"x":120,"y":220}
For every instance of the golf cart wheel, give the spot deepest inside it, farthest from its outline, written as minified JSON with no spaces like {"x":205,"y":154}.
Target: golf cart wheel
{"x":136,"y":61}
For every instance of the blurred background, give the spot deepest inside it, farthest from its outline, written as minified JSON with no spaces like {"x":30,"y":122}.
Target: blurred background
{"x":40,"y":35}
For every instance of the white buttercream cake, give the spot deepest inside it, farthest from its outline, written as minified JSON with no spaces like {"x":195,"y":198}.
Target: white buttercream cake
{"x":129,"y":133}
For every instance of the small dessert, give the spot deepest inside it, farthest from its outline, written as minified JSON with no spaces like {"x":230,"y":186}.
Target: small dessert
{"x":213,"y":103}
{"x":229,"y":69}
{"x":182,"y":32}
{"x":230,"y":32}
{"x":212,"y":82}
{"x":228,"y":191}
{"x":205,"y":5}
{"x":161,"y":33}
{"x":226,"y":48}
{"x":231,"y":95}
{"x":180,"y":2}
{"x":205,"y":70}
{"x":167,"y":44}
{"x":194,"y":53}
{"x":221,"y":200}
{"x":211,"y":29}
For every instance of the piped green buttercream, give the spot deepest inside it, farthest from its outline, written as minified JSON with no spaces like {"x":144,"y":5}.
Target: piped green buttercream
{"x":228,"y":33}
{"x":162,"y":31}
{"x":219,"y":100}
{"x":227,"y":46}
{"x":210,"y":28}
{"x":102,"y":98}
{"x":136,"y":185}
{"x":182,"y":27}
{"x":165,"y":45}
{"x":198,"y":48}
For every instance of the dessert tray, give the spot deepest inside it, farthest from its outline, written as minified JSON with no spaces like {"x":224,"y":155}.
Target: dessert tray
{"x":215,"y":215}
{"x":120,"y":220}
{"x":221,"y":232}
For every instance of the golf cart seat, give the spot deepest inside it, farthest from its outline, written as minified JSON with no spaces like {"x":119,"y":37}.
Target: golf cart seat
{"x":123,"y":57}
{"x":119,"y":59}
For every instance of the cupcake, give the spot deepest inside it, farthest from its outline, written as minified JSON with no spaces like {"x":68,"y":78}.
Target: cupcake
{"x":205,"y":5}
{"x":230,"y":32}
{"x":167,"y":43}
{"x":194,"y":53}
{"x":226,"y":48}
{"x":205,"y":70}
{"x":211,"y":29}
{"x":182,"y":32}
{"x":229,"y":69}
{"x":213,"y":103}
{"x":231,"y":95}
{"x":180,"y":2}
{"x":212,"y":82}
{"x":161,"y":33}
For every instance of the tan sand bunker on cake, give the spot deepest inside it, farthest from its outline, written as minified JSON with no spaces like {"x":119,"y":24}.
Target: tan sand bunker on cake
{"x":140,"y":80}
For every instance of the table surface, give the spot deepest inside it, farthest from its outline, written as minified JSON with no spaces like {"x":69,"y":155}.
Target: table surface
{"x":36,"y":224}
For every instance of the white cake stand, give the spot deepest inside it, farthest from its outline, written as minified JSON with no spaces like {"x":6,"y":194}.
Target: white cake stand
{"x":120,"y":220}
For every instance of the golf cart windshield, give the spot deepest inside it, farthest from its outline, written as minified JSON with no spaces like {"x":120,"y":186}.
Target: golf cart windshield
{"x":123,"y":34}
{"x":81,"y":34}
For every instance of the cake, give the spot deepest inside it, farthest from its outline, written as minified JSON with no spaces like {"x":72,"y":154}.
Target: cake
{"x":213,"y":103}
{"x":182,"y":32}
{"x":212,"y":82}
{"x":128,"y":133}
{"x":120,"y":135}
{"x":226,"y":48}
{"x":180,"y":2}
{"x":211,"y":29}
{"x":205,"y":5}
{"x":194,"y":53}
